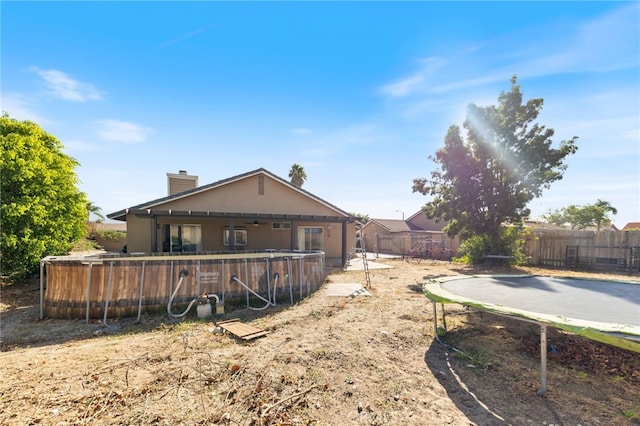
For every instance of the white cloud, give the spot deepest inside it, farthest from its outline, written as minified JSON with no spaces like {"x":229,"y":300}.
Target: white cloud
{"x":75,"y":145}
{"x":416,"y":82}
{"x":18,"y":107}
{"x":187,"y":35}
{"x":122,"y":131}
{"x":64,"y":87}
{"x":606,"y":43}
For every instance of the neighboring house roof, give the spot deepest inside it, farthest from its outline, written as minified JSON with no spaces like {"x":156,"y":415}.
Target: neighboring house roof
{"x":535,"y":224}
{"x":415,"y":215}
{"x":111,"y":226}
{"x":392,"y":225}
{"x":121,"y":214}
{"x":631,"y":225}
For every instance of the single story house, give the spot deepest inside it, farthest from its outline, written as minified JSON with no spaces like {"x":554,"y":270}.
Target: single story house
{"x":395,"y":236}
{"x":253,"y":211}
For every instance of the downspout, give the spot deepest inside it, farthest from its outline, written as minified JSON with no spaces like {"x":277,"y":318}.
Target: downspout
{"x":344,"y":243}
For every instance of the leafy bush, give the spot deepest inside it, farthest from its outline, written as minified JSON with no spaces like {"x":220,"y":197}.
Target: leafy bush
{"x":509,"y":242}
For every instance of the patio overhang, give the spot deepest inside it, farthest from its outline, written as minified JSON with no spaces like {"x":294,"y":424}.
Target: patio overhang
{"x":121,"y":215}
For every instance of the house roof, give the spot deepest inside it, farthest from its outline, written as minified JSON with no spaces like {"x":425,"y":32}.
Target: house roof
{"x":416,"y":214}
{"x":392,"y":225}
{"x":631,"y":225}
{"x":118,"y":226}
{"x":140,"y":208}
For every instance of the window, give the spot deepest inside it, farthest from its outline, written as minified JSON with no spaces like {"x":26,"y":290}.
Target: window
{"x":281,"y":225}
{"x":182,"y":238}
{"x":240,"y":235}
{"x":310,"y":238}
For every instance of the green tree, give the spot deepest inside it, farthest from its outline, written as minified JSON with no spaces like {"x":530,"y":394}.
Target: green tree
{"x":41,"y":211}
{"x":364,"y":218}
{"x":298,"y":175}
{"x":487,"y":179}
{"x":92,"y":209}
{"x":581,"y":217}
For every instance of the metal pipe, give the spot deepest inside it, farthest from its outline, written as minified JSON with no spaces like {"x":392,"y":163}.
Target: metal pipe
{"x":198,"y":284}
{"x":223,"y":282}
{"x":300,"y":276}
{"x":170,"y":277}
{"x":106,"y":302}
{"x":246,"y":275}
{"x":268,"y":302}
{"x":88,"y":290}
{"x":543,"y":360}
{"x":289,"y":279}
{"x":41,"y":289}
{"x":141,"y":291}
{"x":269,"y":283}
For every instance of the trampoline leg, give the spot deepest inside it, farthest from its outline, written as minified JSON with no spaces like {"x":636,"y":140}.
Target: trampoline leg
{"x":435,"y":319}
{"x":543,"y":360}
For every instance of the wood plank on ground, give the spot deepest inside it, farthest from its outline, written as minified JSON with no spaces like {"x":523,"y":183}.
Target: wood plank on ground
{"x":241,"y":330}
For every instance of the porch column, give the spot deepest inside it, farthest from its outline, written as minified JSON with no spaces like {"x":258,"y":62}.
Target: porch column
{"x":294,"y":234}
{"x":232,"y":236}
{"x":154,"y":233}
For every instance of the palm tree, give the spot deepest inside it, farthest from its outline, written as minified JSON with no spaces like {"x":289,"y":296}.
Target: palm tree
{"x":602,"y":209}
{"x":95,"y":210}
{"x":297,"y":175}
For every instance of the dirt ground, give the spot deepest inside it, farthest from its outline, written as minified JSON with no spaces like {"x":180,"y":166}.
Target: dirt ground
{"x":365,"y":360}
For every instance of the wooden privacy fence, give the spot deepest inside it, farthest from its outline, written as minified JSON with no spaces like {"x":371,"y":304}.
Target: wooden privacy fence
{"x":95,"y":287}
{"x":402,"y":243}
{"x":596,"y":250}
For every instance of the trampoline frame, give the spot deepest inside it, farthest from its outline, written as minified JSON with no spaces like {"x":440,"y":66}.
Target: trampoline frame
{"x":433,"y":291}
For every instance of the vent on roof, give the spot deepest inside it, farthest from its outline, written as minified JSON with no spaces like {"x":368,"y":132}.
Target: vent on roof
{"x":180,"y":182}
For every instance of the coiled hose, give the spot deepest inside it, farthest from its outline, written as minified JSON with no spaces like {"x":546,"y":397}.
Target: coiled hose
{"x":183,"y":274}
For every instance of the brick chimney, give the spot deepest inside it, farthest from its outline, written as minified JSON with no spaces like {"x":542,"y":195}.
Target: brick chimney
{"x":180,"y":182}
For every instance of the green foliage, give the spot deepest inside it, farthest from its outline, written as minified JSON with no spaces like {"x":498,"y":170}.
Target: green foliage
{"x":298,"y":175}
{"x":581,"y":217}
{"x":487,"y":179}
{"x":42,"y":210}
{"x":508,"y":242}
{"x":364,"y":218}
{"x":84,"y":244}
{"x":109,"y":234}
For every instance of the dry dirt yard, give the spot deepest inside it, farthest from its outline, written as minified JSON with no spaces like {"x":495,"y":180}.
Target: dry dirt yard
{"x":325,"y":361}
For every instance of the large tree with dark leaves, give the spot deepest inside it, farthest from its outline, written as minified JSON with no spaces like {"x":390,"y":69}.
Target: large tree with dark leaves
{"x":487,"y":179}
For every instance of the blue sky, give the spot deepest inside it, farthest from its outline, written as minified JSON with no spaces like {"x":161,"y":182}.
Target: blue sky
{"x":358,"y":93}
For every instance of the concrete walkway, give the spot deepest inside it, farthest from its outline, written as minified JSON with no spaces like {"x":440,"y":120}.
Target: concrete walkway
{"x":356,"y":264}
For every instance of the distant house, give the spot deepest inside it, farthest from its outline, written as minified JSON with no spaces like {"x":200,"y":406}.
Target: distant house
{"x":635,"y":226}
{"x":256,"y":210}
{"x":395,"y":236}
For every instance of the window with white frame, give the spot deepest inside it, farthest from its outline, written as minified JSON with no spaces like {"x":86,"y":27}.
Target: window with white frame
{"x":240,"y":236}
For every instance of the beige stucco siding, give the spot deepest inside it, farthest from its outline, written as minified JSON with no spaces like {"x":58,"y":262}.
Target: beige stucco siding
{"x":244,"y":196}
{"x":138,"y":234}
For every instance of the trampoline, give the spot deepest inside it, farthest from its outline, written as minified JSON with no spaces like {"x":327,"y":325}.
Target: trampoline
{"x":606,"y":311}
